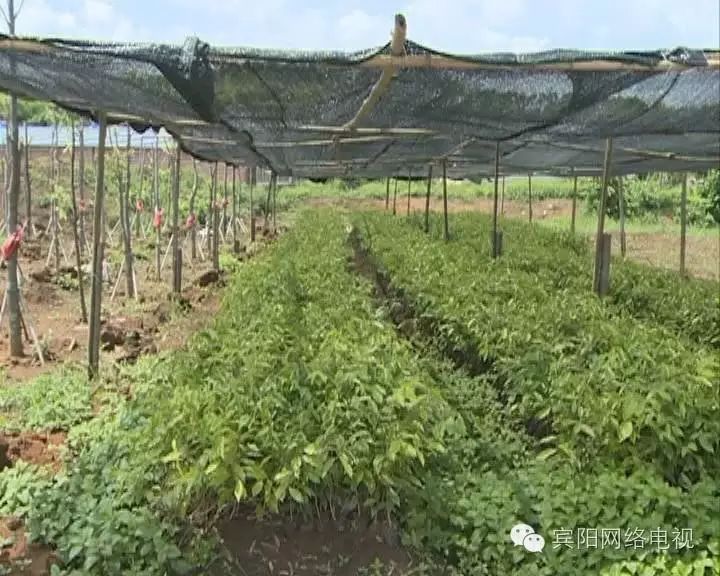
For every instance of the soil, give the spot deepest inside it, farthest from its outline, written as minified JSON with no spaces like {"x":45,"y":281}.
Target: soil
{"x":31,"y":447}
{"x":22,"y":557}
{"x":131,"y":327}
{"x":283,"y":546}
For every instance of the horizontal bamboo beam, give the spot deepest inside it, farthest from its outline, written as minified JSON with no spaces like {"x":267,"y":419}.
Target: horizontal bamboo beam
{"x":340,"y":130}
{"x":651,"y":154}
{"x":435,"y":61}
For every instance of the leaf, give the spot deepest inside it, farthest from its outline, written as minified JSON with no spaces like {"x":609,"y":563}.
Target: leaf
{"x":545,"y":454}
{"x":345,"y":461}
{"x":585,"y":429}
{"x":625,"y":431}
{"x":296,"y":495}
{"x":240,"y":491}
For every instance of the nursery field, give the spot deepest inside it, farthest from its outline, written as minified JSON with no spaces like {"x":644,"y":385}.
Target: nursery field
{"x":372,"y":400}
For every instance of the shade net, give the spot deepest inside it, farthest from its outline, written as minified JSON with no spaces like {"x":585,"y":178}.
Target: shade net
{"x":550,"y":112}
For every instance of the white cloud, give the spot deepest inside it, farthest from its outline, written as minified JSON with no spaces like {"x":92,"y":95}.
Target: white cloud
{"x":98,"y":11}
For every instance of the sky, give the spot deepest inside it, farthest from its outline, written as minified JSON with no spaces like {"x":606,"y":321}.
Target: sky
{"x":460,"y":26}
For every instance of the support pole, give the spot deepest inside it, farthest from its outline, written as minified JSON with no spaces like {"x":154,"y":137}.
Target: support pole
{"x":223,"y":223}
{"x":177,"y":256}
{"x":274,"y":200}
{"x":446,"y":229}
{"x":621,"y":208}
{"x":125,"y":220}
{"x":530,"y":198}
{"x":574,"y":203}
{"x":387,"y":194}
{"x":496,"y":235}
{"x":409,"y":190}
{"x":215,"y":222}
{"x":156,"y":194}
{"x":81,"y":187}
{"x":236,"y":240}
{"x":98,"y":245}
{"x":395,"y":198}
{"x":253,"y":181}
{"x":28,"y":187}
{"x":13,"y":286}
{"x":502,"y":197}
{"x":600,"y":249}
{"x":427,"y":200}
{"x":683,"y":225}
{"x":76,"y":234}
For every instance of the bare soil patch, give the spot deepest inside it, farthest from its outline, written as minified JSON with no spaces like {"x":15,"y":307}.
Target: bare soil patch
{"x":41,"y":449}
{"x":22,"y":557}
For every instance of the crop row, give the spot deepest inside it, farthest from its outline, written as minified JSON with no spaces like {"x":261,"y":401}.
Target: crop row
{"x":689,"y":308}
{"x":595,"y":386}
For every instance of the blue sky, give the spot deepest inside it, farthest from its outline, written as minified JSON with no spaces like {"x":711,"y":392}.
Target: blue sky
{"x":464,"y":26}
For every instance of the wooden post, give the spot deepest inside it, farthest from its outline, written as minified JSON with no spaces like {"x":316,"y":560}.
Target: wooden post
{"x":387,"y":194}
{"x":599,"y":240}
{"x":28,"y":191}
{"x":502,"y":197}
{"x":495,"y":235}
{"x":604,"y":277}
{"x":446,"y":229}
{"x":193,"y":194}
{"x":98,"y":249}
{"x":156,"y":194}
{"x":125,"y":217}
{"x":574,"y":203}
{"x":409,"y":189}
{"x":683,"y":225}
{"x":236,"y":241}
{"x":81,"y":187}
{"x":223,"y":223}
{"x":395,"y":198}
{"x":215,"y":223}
{"x":274,"y":201}
{"x":427,"y":200}
{"x":253,"y":181}
{"x":177,"y":255}
{"x":621,"y":208}
{"x":76,"y":234}
{"x":530,"y":198}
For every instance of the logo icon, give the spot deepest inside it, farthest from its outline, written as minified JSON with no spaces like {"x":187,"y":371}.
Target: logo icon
{"x":525,"y":536}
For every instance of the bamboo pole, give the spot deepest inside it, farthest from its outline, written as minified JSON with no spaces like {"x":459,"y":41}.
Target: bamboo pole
{"x":98,"y":245}
{"x":683,"y":225}
{"x":76,"y":234}
{"x":621,"y":208}
{"x":253,"y":181}
{"x":81,"y":187}
{"x":387,"y":194}
{"x":446,"y":229}
{"x":502,"y":197}
{"x":236,"y":240}
{"x":28,"y":187}
{"x":215,"y":224}
{"x":125,"y":220}
{"x":177,"y":258}
{"x":599,"y":240}
{"x":574,"y":203}
{"x":156,"y":194}
{"x":274,"y":200}
{"x":225,"y":203}
{"x":530,"y":213}
{"x":427,"y":199}
{"x":409,"y":190}
{"x":495,"y":234}
{"x":394,"y":211}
